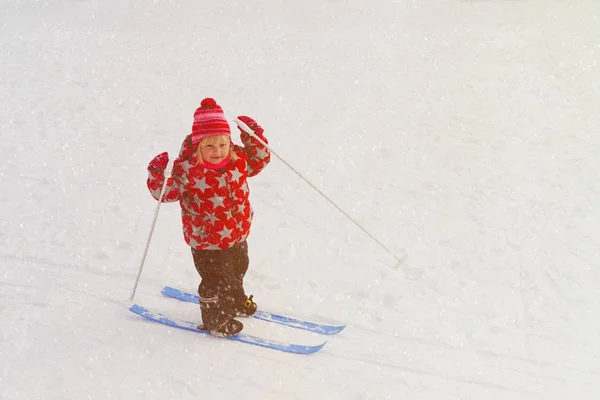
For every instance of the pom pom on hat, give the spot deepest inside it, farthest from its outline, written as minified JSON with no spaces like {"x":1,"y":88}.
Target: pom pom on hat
{"x":208,"y":104}
{"x":209,"y":120}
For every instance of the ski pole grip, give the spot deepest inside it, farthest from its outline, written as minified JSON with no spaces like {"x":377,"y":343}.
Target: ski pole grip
{"x":250,"y":132}
{"x":169,"y":169}
{"x":243,"y":126}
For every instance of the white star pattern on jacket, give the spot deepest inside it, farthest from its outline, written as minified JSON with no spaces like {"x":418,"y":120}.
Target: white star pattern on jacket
{"x":217,"y":201}
{"x":222,"y":181}
{"x":236,"y":175}
{"x":225,"y":233}
{"x":210,"y":217}
{"x":199,"y":230}
{"x":201,"y":184}
{"x":215,"y":208}
{"x":261,"y":153}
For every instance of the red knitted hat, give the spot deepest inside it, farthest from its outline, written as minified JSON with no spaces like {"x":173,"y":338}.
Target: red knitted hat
{"x":209,"y":120}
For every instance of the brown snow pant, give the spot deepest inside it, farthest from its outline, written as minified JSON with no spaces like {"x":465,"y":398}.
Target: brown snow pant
{"x":221,"y":290}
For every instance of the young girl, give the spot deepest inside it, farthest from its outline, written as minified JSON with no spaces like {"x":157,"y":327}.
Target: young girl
{"x":209,"y":181}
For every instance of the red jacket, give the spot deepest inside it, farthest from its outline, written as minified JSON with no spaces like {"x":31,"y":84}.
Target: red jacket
{"x":215,"y":210}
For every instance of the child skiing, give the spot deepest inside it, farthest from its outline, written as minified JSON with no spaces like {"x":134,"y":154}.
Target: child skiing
{"x":209,"y":179}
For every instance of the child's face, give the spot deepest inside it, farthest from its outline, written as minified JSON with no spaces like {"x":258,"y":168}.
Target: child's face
{"x":215,"y":151}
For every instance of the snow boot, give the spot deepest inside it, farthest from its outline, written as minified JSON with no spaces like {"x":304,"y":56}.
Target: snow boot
{"x":226,"y":329}
{"x":247,"y":309}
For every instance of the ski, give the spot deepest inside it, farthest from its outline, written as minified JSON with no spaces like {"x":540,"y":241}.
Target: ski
{"x":240,"y":337}
{"x":323,"y":329}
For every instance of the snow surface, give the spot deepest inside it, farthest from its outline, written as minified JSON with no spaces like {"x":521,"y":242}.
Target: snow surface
{"x":462,"y":133}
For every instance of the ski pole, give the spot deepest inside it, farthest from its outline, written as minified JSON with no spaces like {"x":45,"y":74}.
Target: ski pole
{"x":162,"y":192}
{"x":249,"y":131}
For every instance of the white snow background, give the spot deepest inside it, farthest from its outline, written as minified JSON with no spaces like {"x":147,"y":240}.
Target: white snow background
{"x":465,"y":134}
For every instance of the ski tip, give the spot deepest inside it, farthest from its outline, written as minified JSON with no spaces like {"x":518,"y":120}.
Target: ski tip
{"x":314,"y":349}
{"x":332,"y":330}
{"x":300,"y":349}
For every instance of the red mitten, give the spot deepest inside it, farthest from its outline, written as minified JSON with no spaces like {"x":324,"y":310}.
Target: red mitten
{"x":256,"y":128}
{"x":177,"y":171}
{"x":159,"y":163}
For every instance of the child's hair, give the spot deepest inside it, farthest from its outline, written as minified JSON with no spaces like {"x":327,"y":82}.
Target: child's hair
{"x":215,"y":140}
